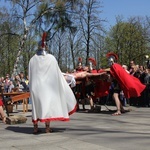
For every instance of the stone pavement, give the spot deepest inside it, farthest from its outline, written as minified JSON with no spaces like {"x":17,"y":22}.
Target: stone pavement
{"x":85,"y":131}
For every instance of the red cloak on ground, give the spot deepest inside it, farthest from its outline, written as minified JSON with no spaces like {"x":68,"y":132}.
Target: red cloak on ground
{"x":131,"y":86}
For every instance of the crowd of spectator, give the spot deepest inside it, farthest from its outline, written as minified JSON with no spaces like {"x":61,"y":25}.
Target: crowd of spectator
{"x":143,"y":74}
{"x":8,"y":84}
{"x":18,"y":83}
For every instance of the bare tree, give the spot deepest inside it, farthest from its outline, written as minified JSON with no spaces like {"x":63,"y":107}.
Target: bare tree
{"x":90,"y":23}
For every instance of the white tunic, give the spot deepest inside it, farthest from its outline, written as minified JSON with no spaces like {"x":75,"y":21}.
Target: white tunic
{"x":52,"y":98}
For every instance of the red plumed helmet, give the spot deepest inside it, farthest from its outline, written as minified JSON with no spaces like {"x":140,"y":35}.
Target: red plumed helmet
{"x":44,"y":39}
{"x":80,"y":59}
{"x":112,"y":55}
{"x":92,"y":60}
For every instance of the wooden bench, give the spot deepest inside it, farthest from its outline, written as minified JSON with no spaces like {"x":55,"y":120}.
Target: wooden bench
{"x":24,"y":97}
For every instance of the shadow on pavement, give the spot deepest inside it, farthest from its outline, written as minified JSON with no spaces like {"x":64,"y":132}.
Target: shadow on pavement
{"x":29,"y":130}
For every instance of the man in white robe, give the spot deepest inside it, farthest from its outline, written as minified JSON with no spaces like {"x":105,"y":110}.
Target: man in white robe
{"x":52,"y":98}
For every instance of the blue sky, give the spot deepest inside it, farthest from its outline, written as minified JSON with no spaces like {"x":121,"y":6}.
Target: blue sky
{"x":125,"y":8}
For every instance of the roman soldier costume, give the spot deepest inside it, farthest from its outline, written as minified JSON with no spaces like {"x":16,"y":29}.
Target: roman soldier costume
{"x":131,"y":86}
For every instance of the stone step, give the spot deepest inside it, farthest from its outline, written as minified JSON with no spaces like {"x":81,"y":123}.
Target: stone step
{"x":16,"y":119}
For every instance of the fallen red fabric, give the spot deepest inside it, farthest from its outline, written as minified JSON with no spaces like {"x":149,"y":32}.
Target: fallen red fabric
{"x":131,"y":86}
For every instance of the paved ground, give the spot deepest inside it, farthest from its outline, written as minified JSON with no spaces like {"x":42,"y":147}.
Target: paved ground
{"x":85,"y":131}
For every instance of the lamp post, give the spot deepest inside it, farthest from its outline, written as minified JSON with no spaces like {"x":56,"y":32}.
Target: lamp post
{"x":147,"y":61}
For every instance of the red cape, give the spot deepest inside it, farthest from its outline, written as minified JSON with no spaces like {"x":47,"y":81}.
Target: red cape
{"x":101,"y":88}
{"x":131,"y":86}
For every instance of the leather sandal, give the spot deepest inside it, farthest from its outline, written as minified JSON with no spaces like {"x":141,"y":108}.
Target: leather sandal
{"x":36,"y":130}
{"x":48,"y":129}
{"x":116,"y":114}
